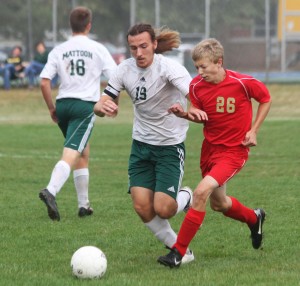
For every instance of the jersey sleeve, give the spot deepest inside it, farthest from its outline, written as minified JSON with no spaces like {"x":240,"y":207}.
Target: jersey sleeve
{"x":115,"y":83}
{"x":109,"y":63}
{"x":258,"y":91}
{"x":179,"y":77}
{"x":50,"y":69}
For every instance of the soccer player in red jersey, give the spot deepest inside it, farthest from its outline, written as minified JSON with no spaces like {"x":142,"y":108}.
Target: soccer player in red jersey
{"x":221,"y":100}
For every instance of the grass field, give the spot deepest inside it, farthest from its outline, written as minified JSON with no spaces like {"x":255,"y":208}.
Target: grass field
{"x":37,"y":251}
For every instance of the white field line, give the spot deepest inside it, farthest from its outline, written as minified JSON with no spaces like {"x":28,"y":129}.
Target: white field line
{"x":53,"y":157}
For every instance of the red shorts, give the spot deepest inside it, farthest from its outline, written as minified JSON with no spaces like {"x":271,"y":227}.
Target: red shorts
{"x":222,"y":162}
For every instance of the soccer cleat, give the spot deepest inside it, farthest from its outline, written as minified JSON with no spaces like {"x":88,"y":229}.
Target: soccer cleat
{"x":256,"y":229}
{"x":172,"y":259}
{"x":50,"y":203}
{"x":190,"y":192}
{"x":85,"y":212}
{"x":188,"y":257}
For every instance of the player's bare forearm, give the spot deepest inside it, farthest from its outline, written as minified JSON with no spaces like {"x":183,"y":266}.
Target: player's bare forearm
{"x":193,"y":118}
{"x":250,"y":139}
{"x":106,"y":106}
{"x":261,"y":114}
{"x":46,"y":91}
{"x":194,"y":114}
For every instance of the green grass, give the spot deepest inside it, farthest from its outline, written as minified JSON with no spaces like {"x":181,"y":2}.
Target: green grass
{"x":37,"y":251}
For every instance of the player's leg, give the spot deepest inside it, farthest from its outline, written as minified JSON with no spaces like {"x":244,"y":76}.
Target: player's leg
{"x":233,"y":208}
{"x":81,"y":182}
{"x":170,"y":198}
{"x":167,"y":206}
{"x":191,"y":223}
{"x":62,"y":169}
{"x":142,"y":199}
{"x":231,"y":162}
{"x":142,"y":179}
{"x":59,"y":176}
{"x":195,"y":216}
{"x":79,"y":132}
{"x":76,"y":133}
{"x":143,"y":204}
{"x":237,"y":211}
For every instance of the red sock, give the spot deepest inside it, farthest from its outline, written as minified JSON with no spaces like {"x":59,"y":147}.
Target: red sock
{"x":188,"y":230}
{"x":240,"y":212}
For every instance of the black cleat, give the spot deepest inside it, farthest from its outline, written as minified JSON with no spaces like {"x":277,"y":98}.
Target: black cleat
{"x":50,"y":203}
{"x":85,"y":212}
{"x":187,"y":258}
{"x":172,"y":259}
{"x":256,"y":229}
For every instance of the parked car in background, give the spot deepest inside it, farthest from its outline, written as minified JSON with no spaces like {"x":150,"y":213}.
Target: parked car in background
{"x":118,"y":53}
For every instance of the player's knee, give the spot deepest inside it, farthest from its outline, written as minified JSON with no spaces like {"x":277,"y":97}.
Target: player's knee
{"x":218,"y":206}
{"x":165,"y":212}
{"x":200,"y":197}
{"x":141,"y":209}
{"x":146,"y":213}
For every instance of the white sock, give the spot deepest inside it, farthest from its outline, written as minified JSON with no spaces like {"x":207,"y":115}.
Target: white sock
{"x":81,"y":181}
{"x":59,"y":176}
{"x":162,"y":231}
{"x":182,"y":200}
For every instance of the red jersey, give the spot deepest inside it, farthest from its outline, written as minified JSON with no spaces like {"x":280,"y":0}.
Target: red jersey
{"x":228,"y":106}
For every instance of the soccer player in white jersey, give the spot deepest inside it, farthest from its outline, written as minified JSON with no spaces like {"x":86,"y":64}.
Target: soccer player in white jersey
{"x":79,"y":63}
{"x":156,"y":164}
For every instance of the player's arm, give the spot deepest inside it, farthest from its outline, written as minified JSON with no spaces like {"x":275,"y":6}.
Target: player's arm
{"x":193,"y":114}
{"x":196,"y":115}
{"x":262,"y":111}
{"x":46,"y":91}
{"x":106,"y":106}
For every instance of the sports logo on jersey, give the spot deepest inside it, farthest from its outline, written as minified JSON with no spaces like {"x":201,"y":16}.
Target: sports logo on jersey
{"x":143,"y":79}
{"x":171,"y":189}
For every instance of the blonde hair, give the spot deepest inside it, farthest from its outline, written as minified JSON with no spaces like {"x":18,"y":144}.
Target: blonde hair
{"x":167,"y":39}
{"x":208,"y":48}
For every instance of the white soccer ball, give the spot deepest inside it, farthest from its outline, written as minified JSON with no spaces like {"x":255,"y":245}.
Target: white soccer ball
{"x":88,"y":262}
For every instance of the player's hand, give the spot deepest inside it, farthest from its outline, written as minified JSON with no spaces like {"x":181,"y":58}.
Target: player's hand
{"x":177,"y":109}
{"x":250,"y":139}
{"x":110,"y":108}
{"x":53,"y":115}
{"x":197,"y":115}
{"x":106,"y":107}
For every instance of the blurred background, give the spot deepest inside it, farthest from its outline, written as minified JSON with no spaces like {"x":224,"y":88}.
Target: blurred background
{"x":259,"y":36}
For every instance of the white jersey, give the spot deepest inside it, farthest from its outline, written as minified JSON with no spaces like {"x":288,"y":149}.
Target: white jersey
{"x":79,"y":63}
{"x":153,"y":91}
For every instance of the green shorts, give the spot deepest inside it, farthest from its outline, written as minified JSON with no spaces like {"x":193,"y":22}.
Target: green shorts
{"x":158,"y":168}
{"x":76,"y":121}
